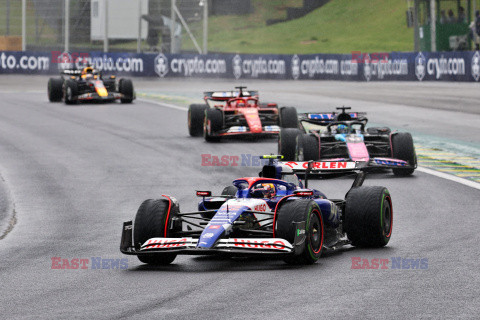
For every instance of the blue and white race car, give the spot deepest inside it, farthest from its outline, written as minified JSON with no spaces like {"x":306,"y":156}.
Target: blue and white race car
{"x":275,"y":214}
{"x":344,"y":137}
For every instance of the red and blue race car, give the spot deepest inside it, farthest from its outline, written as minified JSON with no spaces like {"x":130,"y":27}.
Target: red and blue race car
{"x":237,"y":113}
{"x":275,"y":214}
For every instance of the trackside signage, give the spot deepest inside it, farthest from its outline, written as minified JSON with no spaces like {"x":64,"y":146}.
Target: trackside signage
{"x":393,"y":66}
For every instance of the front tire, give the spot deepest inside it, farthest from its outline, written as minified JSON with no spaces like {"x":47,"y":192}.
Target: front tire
{"x":298,"y":211}
{"x":150,"y":222}
{"x":70,"y":92}
{"x":196,"y":117}
{"x":308,"y":148}
{"x":55,"y":92}
{"x":368,"y":216}
{"x":403,"y":149}
{"x":287,"y":143}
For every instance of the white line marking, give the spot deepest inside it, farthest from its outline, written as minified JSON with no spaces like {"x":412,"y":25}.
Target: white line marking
{"x":163,"y":104}
{"x":450,"y":177}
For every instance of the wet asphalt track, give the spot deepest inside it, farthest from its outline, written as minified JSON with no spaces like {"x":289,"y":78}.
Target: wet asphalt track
{"x":77,"y":172}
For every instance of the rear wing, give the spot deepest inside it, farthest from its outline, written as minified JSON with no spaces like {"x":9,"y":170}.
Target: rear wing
{"x":328,"y":117}
{"x":226,"y":95}
{"x":71,"y":72}
{"x":328,"y":168}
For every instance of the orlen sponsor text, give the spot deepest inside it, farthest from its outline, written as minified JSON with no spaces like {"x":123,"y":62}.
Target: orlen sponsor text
{"x":198,"y":65}
{"x":25,"y":62}
{"x":450,"y":66}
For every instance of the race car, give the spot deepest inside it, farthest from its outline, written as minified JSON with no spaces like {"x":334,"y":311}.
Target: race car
{"x":343,"y":136}
{"x":237,"y":113}
{"x":88,"y":85}
{"x":274,"y":214}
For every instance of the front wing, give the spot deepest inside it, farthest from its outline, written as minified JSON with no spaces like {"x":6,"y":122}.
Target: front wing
{"x":230,"y":246}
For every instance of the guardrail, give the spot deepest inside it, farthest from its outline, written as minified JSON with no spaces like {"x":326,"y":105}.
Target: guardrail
{"x":398,"y":66}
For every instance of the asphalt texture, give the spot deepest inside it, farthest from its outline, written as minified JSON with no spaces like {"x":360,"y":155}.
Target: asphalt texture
{"x":75,"y":173}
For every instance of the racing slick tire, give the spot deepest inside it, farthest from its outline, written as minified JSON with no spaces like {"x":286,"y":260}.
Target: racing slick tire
{"x":298,"y":211}
{"x":125,"y":87}
{"x":150,"y":222}
{"x":70,"y":92}
{"x":288,"y":117}
{"x":403,"y":149}
{"x":287,"y":143}
{"x":368,"y":216}
{"x":55,"y":90}
{"x":213,"y":123}
{"x":307,"y":148}
{"x":196,"y":117}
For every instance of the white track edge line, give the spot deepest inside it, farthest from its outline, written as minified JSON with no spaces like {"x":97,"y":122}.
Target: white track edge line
{"x":163,"y":104}
{"x":439,"y":174}
{"x":450,"y":177}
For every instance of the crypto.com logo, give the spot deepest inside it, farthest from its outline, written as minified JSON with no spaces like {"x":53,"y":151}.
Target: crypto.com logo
{"x":476,"y":66}
{"x":420,"y":66}
{"x":295,"y":67}
{"x":161,"y":65}
{"x":237,"y":66}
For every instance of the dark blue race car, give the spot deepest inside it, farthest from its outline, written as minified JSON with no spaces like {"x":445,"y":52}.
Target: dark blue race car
{"x":275,"y":214}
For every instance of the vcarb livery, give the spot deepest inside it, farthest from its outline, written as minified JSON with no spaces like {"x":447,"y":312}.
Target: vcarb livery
{"x":274,"y":214}
{"x":396,"y":66}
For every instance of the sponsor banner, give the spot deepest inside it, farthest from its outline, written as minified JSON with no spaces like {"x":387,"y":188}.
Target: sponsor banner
{"x":396,"y":66}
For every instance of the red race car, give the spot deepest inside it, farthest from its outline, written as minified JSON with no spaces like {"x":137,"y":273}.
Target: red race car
{"x":238,"y":113}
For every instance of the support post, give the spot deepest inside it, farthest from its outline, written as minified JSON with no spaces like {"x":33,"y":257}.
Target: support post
{"x":139,"y":37}
{"x":24,"y":25}
{"x":433,"y":26}
{"x":205,"y":26}
{"x":105,"y":38}
{"x":67,"y":25}
{"x":172,"y":27}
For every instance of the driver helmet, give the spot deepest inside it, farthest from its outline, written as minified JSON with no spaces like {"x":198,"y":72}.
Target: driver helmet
{"x":263,"y":190}
{"x":87,"y":70}
{"x":341,"y":128}
{"x":241,"y":103}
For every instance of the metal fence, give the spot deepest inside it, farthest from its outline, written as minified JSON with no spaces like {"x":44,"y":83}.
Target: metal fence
{"x":170,"y":26}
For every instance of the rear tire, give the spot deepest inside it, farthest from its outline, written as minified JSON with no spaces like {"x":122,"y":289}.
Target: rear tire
{"x":150,"y":222}
{"x":288,"y":117}
{"x":70,"y":92}
{"x":368,"y":216}
{"x":297,"y":211}
{"x":287,"y":143}
{"x":212,"y":124}
{"x":196,"y":117}
{"x":403,"y":149}
{"x":125,"y":87}
{"x":55,"y":90}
